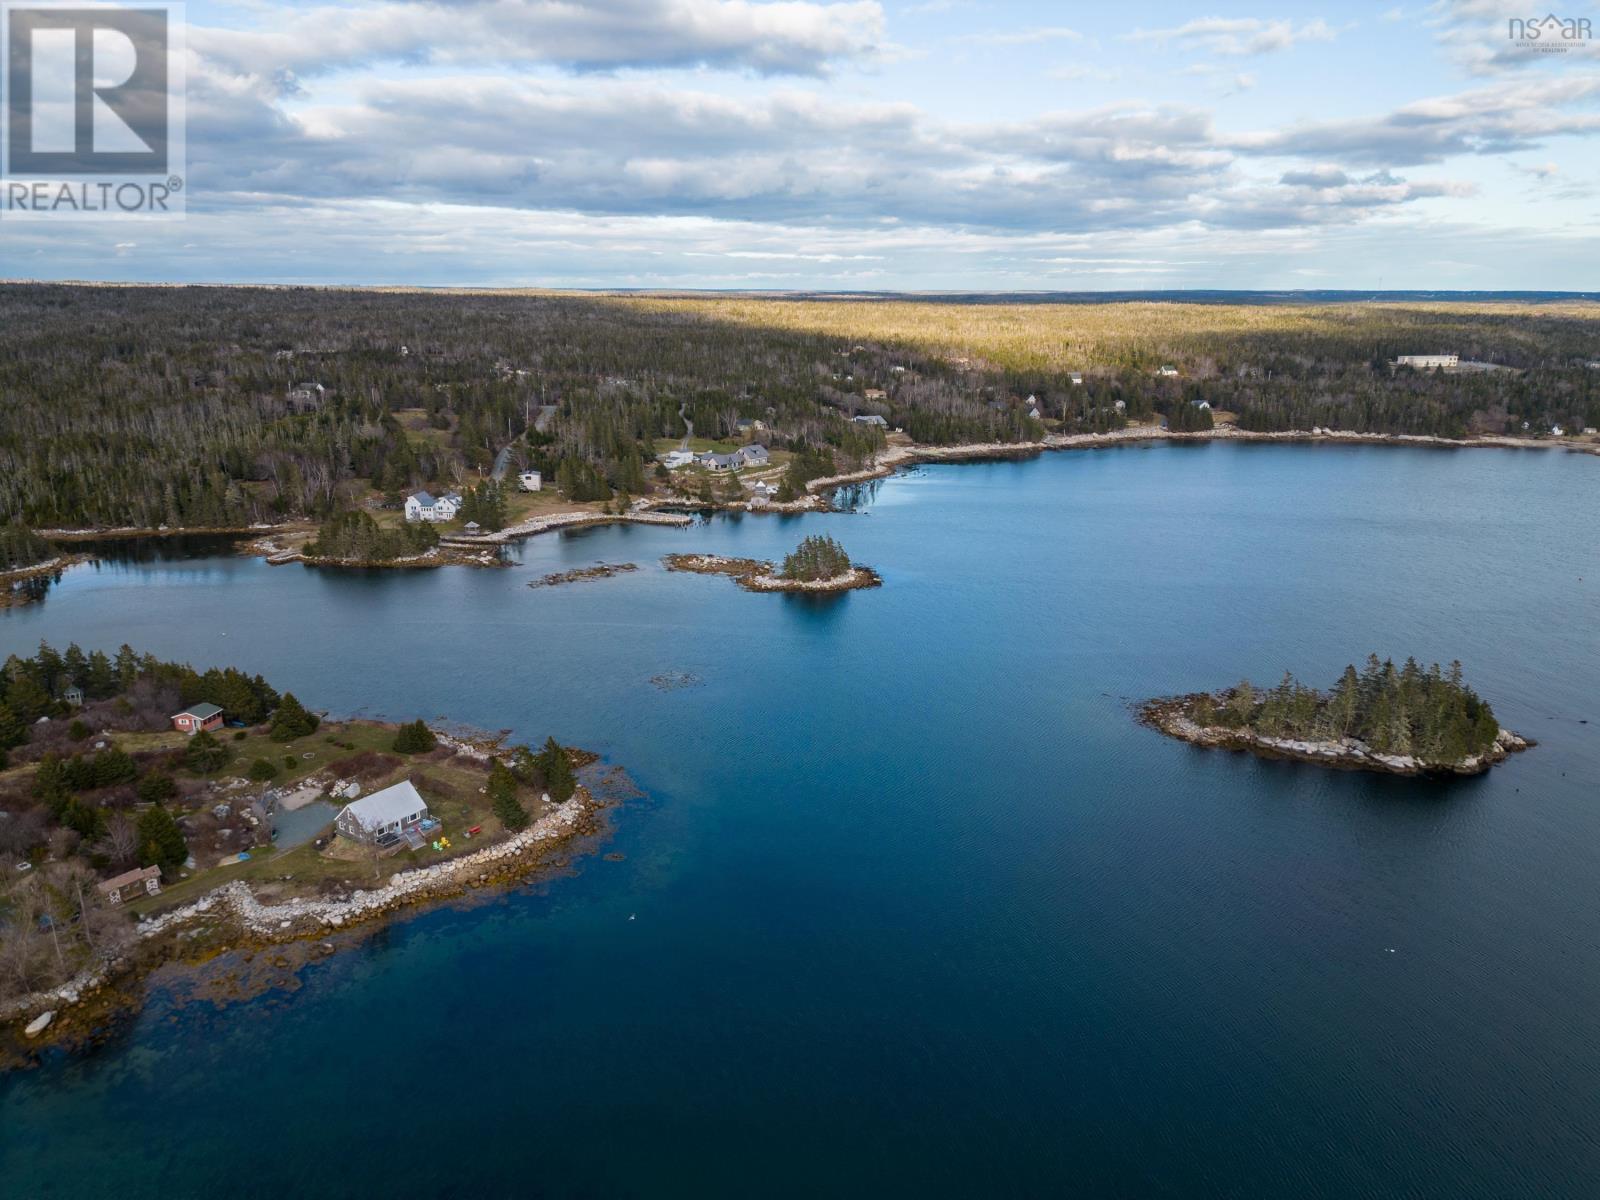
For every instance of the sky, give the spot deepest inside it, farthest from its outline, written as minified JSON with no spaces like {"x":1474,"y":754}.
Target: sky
{"x":867,"y":145}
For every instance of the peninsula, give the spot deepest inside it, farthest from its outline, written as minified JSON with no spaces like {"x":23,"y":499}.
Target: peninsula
{"x":151,"y":813}
{"x":1401,"y":720}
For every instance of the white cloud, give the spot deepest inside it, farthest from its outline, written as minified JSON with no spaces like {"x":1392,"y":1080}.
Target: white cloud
{"x":1236,"y":37}
{"x":790,"y":37}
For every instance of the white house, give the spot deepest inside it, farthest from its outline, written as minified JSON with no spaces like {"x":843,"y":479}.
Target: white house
{"x":1427,"y":362}
{"x":1205,"y":404}
{"x":1077,"y":378}
{"x":1557,"y":431}
{"x":673,"y":459}
{"x":386,"y":812}
{"x":422,"y":506}
{"x":1167,"y":371}
{"x":530,"y":481}
{"x":1030,"y":407}
{"x":871,"y":419}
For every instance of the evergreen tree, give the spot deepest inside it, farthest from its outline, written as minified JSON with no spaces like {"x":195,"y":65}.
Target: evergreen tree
{"x":161,"y":842}
{"x":503,"y":797}
{"x":205,"y":754}
{"x":12,"y":731}
{"x":415,"y":738}
{"x":156,"y":786}
{"x":291,"y":720}
{"x":559,"y":779}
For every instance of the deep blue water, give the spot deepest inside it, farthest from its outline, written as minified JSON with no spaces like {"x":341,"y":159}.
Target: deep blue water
{"x":918,"y":907}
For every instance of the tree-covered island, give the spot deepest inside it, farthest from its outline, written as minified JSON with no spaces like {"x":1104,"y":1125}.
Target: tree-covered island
{"x":817,"y":564}
{"x":1406,"y":720}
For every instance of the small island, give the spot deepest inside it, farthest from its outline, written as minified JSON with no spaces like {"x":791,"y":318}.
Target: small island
{"x":818,"y":565}
{"x":583,"y":574}
{"x":1403,"y":720}
{"x":150,"y":812}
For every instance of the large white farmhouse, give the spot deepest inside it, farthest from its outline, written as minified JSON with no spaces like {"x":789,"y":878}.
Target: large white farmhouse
{"x":422,"y":506}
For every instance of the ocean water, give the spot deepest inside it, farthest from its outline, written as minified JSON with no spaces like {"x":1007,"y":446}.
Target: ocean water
{"x":911,"y":904}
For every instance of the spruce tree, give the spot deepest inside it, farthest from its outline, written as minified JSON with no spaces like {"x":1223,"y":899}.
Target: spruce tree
{"x":414,"y":738}
{"x":503,"y":797}
{"x":205,"y":754}
{"x":292,"y":720}
{"x":559,"y":779}
{"x":161,"y":841}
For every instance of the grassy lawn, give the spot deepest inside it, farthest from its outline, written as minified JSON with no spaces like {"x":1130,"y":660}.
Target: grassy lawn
{"x":699,"y":445}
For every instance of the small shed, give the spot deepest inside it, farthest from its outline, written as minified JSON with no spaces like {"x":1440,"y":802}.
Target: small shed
{"x":130,"y":884}
{"x":197,"y":717}
{"x":73,"y":695}
{"x":474,"y":528}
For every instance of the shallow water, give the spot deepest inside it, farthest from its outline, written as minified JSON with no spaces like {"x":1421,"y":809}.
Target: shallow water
{"x":913,"y":904}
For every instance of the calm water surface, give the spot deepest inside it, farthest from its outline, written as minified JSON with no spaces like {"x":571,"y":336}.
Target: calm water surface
{"x":912,"y":904}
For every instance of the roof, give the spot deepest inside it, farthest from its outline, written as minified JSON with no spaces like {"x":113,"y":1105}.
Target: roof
{"x":138,"y":875}
{"x":204,"y":711}
{"x":385,"y":807}
{"x":423,"y":498}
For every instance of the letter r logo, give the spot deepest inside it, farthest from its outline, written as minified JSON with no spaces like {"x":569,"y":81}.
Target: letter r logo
{"x":86,"y":90}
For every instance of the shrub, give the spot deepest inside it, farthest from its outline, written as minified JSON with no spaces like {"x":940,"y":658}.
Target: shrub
{"x":415,"y":738}
{"x":262,"y":770}
{"x":155,"y":787}
{"x":205,"y":754}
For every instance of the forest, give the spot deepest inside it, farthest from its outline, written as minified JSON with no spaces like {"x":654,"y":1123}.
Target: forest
{"x":1429,"y":714}
{"x":223,"y":407}
{"x":816,"y":557}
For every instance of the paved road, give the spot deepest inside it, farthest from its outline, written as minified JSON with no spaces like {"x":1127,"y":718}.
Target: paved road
{"x":501,"y":462}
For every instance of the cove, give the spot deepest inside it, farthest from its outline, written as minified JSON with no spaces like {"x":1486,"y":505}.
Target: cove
{"x":912,"y":902}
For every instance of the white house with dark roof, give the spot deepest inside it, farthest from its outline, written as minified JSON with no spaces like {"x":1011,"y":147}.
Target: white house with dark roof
{"x":386,"y":812}
{"x":424,"y":506}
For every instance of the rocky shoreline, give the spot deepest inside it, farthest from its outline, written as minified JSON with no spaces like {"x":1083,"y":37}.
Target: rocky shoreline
{"x":73,"y":1012}
{"x":756,"y":575}
{"x":12,"y":596}
{"x":1169,"y":715}
{"x":564,"y":520}
{"x":899,"y":456}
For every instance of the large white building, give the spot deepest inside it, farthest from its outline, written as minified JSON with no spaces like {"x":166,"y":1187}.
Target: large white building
{"x":530,"y":481}
{"x":1427,"y":362}
{"x":422,"y":506}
